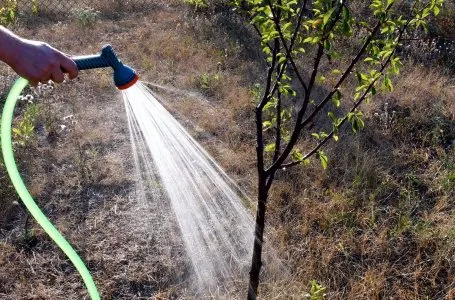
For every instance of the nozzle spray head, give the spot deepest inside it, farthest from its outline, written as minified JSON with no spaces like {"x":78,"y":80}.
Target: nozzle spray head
{"x":124,"y":76}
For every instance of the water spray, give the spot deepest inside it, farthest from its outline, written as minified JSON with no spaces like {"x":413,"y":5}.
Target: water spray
{"x":124,"y":77}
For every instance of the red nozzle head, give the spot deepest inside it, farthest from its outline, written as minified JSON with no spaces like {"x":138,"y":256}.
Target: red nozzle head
{"x":128,"y":84}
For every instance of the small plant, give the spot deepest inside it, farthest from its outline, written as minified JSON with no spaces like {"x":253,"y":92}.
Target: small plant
{"x":386,"y":118}
{"x":8,"y":12}
{"x":198,"y":4}
{"x":35,"y":7}
{"x":208,"y":82}
{"x":86,"y":16}
{"x":256,"y":92}
{"x":317,"y":291}
{"x":24,"y":132}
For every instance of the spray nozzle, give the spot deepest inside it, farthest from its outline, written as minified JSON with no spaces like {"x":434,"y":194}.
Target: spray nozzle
{"x":124,"y":76}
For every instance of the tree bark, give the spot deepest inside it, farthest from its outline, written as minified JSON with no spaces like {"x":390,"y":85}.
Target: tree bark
{"x":256,"y":262}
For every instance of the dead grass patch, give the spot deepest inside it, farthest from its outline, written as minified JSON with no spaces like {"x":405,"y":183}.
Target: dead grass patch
{"x":376,"y":224}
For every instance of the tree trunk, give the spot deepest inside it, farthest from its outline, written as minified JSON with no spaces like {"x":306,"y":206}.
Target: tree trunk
{"x":256,"y":262}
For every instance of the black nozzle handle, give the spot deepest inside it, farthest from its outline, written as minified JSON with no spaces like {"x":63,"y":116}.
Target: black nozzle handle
{"x":90,"y":62}
{"x":124,"y":76}
{"x":107,"y":58}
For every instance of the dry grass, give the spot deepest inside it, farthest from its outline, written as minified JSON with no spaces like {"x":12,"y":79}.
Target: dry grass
{"x":377,"y":224}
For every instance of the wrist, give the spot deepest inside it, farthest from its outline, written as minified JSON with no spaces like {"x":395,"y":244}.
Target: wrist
{"x":10,"y":45}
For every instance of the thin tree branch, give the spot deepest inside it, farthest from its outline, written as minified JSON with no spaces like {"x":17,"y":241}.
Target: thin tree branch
{"x":278,"y":128}
{"x":294,"y":36}
{"x":330,"y":135}
{"x":299,"y":125}
{"x":260,"y":35}
{"x":355,"y":106}
{"x":291,"y":45}
{"x":265,"y":99}
{"x":266,"y":96}
{"x":271,"y":176}
{"x":316,"y":67}
{"x":269,"y":181}
{"x":343,"y":77}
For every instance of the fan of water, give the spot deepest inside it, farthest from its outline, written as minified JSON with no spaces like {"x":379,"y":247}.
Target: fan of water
{"x":214,"y":224}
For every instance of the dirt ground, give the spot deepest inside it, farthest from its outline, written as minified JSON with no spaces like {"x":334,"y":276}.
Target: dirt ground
{"x":376,"y":224}
{"x":81,"y":172}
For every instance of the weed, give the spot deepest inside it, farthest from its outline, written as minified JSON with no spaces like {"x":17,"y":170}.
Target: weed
{"x":209,"y":82}
{"x":8,"y":12}
{"x":256,"y":92}
{"x":86,"y":16}
{"x":197,"y":4}
{"x":35,"y":7}
{"x":386,"y":118}
{"x":24,"y":132}
{"x":317,"y":291}
{"x":404,"y":223}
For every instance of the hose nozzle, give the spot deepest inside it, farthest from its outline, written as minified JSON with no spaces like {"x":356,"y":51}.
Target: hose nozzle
{"x":124,"y":76}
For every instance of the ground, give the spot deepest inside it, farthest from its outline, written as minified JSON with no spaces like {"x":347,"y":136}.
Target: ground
{"x":80,"y":170}
{"x":377,"y":224}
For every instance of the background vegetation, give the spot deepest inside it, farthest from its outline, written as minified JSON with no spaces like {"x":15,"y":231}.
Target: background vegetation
{"x":377,"y":223}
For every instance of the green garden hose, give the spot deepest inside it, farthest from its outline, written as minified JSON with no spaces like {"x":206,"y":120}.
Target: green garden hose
{"x":8,"y":156}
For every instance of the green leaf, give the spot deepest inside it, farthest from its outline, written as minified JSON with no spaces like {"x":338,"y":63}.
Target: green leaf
{"x":327,"y":16}
{"x":327,"y":45}
{"x":266,"y":125}
{"x":355,"y":118}
{"x":312,"y":39}
{"x":270,"y":147}
{"x":336,"y":98}
{"x":357,"y":124}
{"x":451,"y":177}
{"x":16,"y":131}
{"x":296,"y":155}
{"x":346,"y":27}
{"x":286,"y":26}
{"x":308,"y":39}
{"x":387,"y":84}
{"x":389,"y":3}
{"x":282,"y":59}
{"x":360,"y":77}
{"x":436,"y":10}
{"x":323,"y":158}
{"x":316,"y":40}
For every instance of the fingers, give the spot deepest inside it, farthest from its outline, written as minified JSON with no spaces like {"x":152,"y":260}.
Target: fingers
{"x":57,"y":75}
{"x":69,"y":66}
{"x":58,"y":64}
{"x":62,"y":64}
{"x":33,"y":82}
{"x":39,"y":62}
{"x":52,"y":71}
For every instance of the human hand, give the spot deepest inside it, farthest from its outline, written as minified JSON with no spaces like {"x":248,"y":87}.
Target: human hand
{"x":39,"y":62}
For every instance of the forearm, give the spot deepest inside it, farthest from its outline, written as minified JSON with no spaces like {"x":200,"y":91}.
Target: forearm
{"x":9,"y":43}
{"x":35,"y":61}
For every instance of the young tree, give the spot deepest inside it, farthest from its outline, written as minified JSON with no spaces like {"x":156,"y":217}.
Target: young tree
{"x":320,"y":31}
